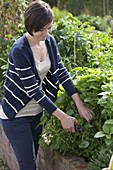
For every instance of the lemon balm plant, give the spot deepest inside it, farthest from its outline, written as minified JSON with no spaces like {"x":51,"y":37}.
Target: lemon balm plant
{"x":106,"y":132}
{"x":89,"y":82}
{"x":92,"y":73}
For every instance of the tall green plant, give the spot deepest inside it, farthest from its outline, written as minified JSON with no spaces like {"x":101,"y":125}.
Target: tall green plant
{"x":10,"y":24}
{"x":10,"y":29}
{"x":81,"y":45}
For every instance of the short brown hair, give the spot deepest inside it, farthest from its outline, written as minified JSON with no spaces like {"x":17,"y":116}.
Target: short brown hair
{"x":37,"y":15}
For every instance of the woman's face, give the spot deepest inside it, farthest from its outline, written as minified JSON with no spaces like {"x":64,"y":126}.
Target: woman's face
{"x":42,"y":34}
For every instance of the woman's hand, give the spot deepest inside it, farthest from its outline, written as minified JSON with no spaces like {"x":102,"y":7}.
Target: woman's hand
{"x":68,"y":123}
{"x":83,"y":110}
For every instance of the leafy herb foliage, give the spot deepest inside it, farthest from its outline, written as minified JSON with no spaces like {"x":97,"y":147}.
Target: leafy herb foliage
{"x":92,"y":74}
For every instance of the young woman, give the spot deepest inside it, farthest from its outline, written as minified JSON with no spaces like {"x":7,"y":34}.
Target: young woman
{"x":35,"y":70}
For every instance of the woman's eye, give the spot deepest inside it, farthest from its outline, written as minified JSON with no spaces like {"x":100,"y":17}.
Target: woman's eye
{"x":49,"y":28}
{"x":42,"y":30}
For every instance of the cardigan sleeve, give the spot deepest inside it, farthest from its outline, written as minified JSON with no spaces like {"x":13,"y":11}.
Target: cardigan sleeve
{"x":66,"y":80}
{"x":64,"y":76}
{"x":23,"y":68}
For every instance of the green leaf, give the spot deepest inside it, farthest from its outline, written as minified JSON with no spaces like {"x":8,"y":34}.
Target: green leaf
{"x":102,"y":101}
{"x":99,"y":134}
{"x":88,"y":99}
{"x":70,"y":112}
{"x":108,"y":136}
{"x":60,"y":99}
{"x":105,"y":129}
{"x":111,"y":130}
{"x":108,"y":141}
{"x":111,"y":99}
{"x":84,"y":144}
{"x":110,"y":122}
{"x":111,"y":108}
{"x":104,"y":93}
{"x":4,"y":67}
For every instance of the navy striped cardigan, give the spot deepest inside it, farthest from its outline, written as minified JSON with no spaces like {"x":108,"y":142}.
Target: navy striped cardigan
{"x":23,"y":83}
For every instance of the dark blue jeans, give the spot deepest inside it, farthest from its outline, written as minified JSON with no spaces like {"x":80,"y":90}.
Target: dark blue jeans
{"x":24,"y":138}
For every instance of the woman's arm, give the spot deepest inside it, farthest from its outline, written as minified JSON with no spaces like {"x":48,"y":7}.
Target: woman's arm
{"x":68,"y":122}
{"x":72,"y":91}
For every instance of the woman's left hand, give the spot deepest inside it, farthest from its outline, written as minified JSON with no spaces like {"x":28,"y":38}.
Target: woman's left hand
{"x":83,"y":110}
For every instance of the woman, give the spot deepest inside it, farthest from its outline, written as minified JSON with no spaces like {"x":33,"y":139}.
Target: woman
{"x":35,"y":70}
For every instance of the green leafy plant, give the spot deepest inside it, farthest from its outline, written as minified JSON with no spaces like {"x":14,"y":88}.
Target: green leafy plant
{"x":59,"y":13}
{"x":90,"y":82}
{"x":107,"y":132}
{"x":80,"y":44}
{"x":100,"y":159}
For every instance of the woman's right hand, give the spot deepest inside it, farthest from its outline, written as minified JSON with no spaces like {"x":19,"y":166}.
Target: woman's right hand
{"x":68,"y":122}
